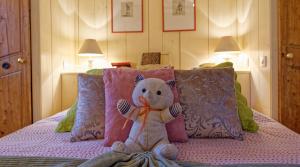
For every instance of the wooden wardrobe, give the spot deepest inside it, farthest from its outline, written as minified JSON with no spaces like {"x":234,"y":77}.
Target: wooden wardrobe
{"x":15,"y":66}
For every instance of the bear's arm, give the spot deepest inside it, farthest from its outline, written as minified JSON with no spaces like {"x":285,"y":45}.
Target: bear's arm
{"x":171,"y":113}
{"x":127,"y":110}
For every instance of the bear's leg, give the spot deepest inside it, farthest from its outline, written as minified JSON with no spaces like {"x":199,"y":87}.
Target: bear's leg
{"x":128,"y":147}
{"x":119,"y":147}
{"x":168,"y":151}
{"x":133,"y":147}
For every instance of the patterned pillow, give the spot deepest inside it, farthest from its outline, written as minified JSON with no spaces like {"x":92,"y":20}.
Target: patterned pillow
{"x":244,"y":110}
{"x":89,"y":121}
{"x":66,"y":124}
{"x":209,"y":103}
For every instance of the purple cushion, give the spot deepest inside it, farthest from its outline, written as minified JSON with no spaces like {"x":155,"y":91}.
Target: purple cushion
{"x":209,"y":103}
{"x":89,"y":121}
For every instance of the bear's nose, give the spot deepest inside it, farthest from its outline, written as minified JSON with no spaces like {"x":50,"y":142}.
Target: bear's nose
{"x":148,"y":95}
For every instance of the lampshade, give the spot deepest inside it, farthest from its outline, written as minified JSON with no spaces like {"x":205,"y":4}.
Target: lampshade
{"x":90,"y":48}
{"x":227,"y":44}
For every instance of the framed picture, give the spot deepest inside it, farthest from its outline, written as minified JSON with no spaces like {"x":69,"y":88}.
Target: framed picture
{"x":179,"y":15}
{"x":127,"y":16}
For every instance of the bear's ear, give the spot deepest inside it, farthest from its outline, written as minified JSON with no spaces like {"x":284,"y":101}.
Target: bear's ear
{"x":139,"y":78}
{"x":171,"y":83}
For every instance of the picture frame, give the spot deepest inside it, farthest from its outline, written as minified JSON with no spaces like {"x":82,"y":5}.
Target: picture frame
{"x":127,"y":16}
{"x":179,"y":15}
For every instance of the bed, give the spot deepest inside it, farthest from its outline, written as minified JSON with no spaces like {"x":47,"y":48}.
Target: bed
{"x":273,"y":144}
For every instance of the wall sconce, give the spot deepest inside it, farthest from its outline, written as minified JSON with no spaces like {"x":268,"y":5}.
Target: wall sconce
{"x":227,"y":47}
{"x":90,"y":49}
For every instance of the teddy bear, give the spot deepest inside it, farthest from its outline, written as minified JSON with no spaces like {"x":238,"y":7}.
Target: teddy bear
{"x":153,"y":100}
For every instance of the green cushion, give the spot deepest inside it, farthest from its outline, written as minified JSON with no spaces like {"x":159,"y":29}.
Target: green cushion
{"x":95,"y":72}
{"x":66,"y":124}
{"x":245,"y":112}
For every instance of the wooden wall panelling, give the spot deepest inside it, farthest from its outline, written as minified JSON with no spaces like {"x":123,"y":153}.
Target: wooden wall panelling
{"x":87,"y":19}
{"x":264,"y":40}
{"x":69,"y":89}
{"x":91,"y":22}
{"x":45,"y":27}
{"x":86,"y":24}
{"x":64,"y":29}
{"x":76,"y":30}
{"x":59,"y":21}
{"x":251,"y":48}
{"x":171,"y":45}
{"x":244,"y":79}
{"x":116,"y":41}
{"x":257,"y":43}
{"x":137,"y":43}
{"x":244,"y":27}
{"x":101,"y":26}
{"x":222,"y":21}
{"x":242,"y":12}
{"x":62,"y":35}
{"x":92,"y":19}
{"x":155,"y":33}
{"x":194,"y":44}
{"x":165,"y":42}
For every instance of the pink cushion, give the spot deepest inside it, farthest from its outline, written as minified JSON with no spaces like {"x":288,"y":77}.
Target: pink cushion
{"x":119,"y":84}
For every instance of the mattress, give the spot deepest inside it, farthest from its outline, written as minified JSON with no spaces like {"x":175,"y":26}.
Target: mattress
{"x":273,"y":144}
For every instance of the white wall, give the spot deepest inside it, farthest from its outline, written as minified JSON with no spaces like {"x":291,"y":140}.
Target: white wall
{"x":62,"y":25}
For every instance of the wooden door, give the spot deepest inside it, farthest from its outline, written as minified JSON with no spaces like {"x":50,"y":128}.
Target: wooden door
{"x":289,"y":73}
{"x":15,"y":66}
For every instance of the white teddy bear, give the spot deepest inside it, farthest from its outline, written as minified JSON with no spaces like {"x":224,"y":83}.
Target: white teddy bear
{"x":153,"y":99}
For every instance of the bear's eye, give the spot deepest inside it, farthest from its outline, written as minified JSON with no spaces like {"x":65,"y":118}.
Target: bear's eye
{"x":158,"y":92}
{"x":144,"y":90}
